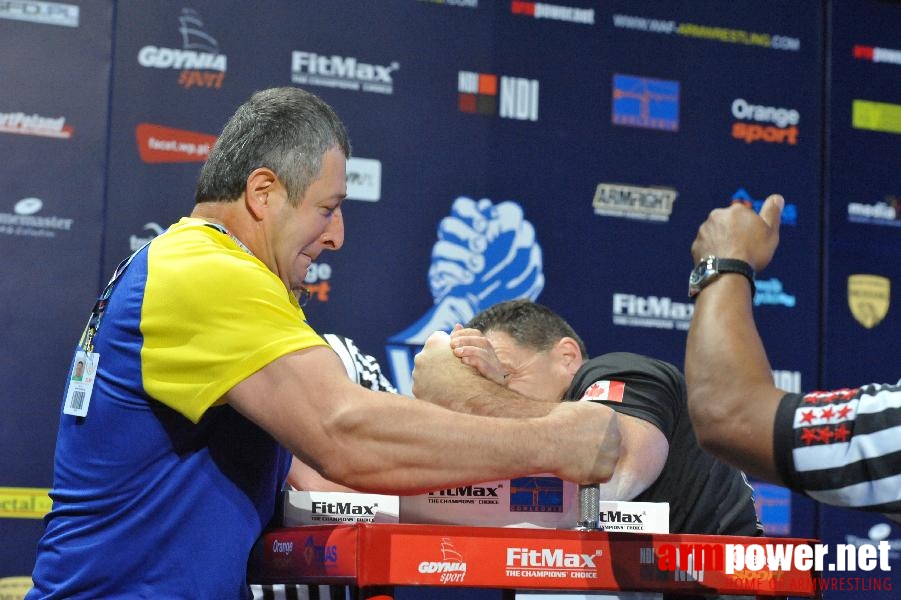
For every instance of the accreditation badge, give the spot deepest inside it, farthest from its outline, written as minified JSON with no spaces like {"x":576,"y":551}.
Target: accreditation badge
{"x":81,"y":383}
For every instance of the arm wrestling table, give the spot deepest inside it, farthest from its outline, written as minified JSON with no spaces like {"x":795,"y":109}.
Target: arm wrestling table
{"x":377,"y":557}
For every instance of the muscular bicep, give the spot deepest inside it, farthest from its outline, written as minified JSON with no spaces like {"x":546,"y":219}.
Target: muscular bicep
{"x":643,"y":452}
{"x":294,"y":397}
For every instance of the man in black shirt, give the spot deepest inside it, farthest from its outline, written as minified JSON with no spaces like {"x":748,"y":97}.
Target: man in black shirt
{"x":537,"y":360}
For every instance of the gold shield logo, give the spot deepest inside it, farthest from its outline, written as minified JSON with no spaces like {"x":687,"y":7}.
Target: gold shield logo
{"x":868,"y":297}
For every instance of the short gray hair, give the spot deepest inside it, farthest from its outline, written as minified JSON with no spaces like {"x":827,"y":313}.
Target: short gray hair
{"x":285,"y":129}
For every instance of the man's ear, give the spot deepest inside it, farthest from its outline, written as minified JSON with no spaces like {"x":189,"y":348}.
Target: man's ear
{"x":569,"y":354}
{"x":260,"y":184}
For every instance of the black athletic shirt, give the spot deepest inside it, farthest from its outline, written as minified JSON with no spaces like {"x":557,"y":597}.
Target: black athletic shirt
{"x":705,"y":495}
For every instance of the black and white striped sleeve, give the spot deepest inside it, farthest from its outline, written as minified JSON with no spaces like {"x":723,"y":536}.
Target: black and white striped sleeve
{"x":843,"y":447}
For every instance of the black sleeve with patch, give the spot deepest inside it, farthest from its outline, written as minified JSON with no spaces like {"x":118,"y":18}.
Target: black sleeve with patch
{"x":705,"y":495}
{"x":653,"y":388}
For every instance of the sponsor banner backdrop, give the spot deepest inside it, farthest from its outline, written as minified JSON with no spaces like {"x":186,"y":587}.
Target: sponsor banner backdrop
{"x":851,"y":533}
{"x":863,"y":331}
{"x":55,"y":71}
{"x":564,"y":152}
{"x":864,"y":326}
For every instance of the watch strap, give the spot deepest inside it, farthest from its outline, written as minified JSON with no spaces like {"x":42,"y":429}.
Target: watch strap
{"x":733,"y":265}
{"x":711,"y":267}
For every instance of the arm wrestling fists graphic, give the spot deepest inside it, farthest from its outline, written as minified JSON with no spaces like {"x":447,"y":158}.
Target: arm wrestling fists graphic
{"x":485,"y":253}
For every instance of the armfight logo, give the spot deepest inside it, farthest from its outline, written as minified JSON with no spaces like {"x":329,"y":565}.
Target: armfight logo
{"x":645,"y":102}
{"x":645,"y":203}
{"x":199,"y":62}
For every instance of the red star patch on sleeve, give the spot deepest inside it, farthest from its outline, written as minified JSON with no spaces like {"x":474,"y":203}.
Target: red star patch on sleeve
{"x":824,"y":434}
{"x":842,"y":433}
{"x":808,"y":436}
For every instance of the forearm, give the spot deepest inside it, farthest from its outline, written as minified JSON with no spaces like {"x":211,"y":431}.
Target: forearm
{"x":380,"y":442}
{"x":731,"y":395}
{"x":397,"y":445}
{"x":493,"y":400}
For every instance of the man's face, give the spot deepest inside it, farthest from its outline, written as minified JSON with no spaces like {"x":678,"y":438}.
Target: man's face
{"x":300,"y":233}
{"x":79,"y":369}
{"x":540,"y":375}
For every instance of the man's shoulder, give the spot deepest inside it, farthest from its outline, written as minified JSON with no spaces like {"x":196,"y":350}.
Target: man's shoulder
{"x":631,"y":362}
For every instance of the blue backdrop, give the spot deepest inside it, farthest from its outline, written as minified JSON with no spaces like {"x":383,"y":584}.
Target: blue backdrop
{"x":566,"y":152}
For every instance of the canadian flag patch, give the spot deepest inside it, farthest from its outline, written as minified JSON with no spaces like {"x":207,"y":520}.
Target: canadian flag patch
{"x":605,"y":390}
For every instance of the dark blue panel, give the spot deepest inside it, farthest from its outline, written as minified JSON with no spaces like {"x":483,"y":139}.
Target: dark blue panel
{"x":55,"y":71}
{"x":863,"y":234}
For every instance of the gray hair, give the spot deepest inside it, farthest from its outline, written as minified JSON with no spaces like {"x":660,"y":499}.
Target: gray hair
{"x":285,"y":129}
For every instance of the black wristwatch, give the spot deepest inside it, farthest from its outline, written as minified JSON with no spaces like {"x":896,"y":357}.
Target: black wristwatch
{"x":710,"y":268}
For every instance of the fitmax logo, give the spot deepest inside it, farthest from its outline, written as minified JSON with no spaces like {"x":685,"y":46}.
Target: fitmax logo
{"x":549,"y":558}
{"x":469,"y":490}
{"x":615,"y":516}
{"x":343,"y":508}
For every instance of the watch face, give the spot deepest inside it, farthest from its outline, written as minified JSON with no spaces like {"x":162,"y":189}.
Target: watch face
{"x":700,"y":276}
{"x":697,"y":273}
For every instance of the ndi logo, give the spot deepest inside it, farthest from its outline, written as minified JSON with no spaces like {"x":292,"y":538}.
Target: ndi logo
{"x":645,"y":102}
{"x":480,"y":93}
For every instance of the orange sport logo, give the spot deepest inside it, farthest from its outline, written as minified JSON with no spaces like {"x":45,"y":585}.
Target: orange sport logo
{"x":760,"y":123}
